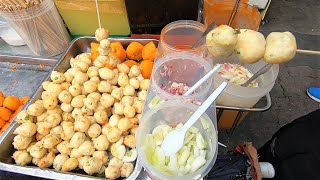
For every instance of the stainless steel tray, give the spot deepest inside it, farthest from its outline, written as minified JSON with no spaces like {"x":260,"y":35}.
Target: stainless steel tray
{"x":76,"y":47}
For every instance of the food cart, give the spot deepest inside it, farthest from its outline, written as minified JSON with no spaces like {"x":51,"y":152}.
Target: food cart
{"x":57,"y":55}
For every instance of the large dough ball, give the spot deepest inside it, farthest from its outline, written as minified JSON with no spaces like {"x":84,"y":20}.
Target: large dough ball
{"x":281,"y":47}
{"x":221,"y":41}
{"x":250,"y":46}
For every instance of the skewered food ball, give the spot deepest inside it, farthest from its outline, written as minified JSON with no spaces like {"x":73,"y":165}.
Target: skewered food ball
{"x":221,"y":41}
{"x":105,"y":43}
{"x":281,"y":47}
{"x":250,"y":46}
{"x":101,"y":34}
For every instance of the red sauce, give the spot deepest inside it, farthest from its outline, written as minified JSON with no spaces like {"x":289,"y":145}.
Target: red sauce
{"x":183,"y":47}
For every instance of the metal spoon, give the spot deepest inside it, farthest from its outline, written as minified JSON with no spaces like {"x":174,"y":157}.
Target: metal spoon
{"x":263,"y":70}
{"x":174,"y":140}
{"x":200,"y":40}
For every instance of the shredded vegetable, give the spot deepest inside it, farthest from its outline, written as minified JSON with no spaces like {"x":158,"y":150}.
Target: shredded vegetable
{"x":190,"y":158}
{"x":236,"y":74}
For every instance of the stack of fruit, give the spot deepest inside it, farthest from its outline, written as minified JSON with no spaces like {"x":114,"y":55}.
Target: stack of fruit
{"x":9,"y":108}
{"x":134,"y":54}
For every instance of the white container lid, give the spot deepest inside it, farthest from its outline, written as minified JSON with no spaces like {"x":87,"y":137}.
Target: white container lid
{"x":9,"y":35}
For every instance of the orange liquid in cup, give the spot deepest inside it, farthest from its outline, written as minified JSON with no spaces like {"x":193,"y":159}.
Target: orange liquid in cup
{"x":183,"y":47}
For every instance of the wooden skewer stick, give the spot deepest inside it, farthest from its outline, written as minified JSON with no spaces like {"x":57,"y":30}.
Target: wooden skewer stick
{"x":234,"y":11}
{"x":98,"y":13}
{"x":302,"y":51}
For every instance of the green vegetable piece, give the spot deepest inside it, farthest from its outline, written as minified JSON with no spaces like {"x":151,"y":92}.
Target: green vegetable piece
{"x":201,"y":143}
{"x":154,"y":101}
{"x":158,"y":158}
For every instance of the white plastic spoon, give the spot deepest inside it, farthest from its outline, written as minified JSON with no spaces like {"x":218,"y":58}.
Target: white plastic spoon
{"x":198,"y":84}
{"x":202,"y":80}
{"x":173,"y":142}
{"x":194,"y":87}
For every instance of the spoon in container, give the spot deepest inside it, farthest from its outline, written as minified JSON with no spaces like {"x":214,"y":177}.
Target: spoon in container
{"x":263,"y":70}
{"x":201,"y":81}
{"x":173,"y":142}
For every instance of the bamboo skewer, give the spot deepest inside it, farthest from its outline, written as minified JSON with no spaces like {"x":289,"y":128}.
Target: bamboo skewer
{"x":98,"y":14}
{"x":302,"y":51}
{"x":234,"y":11}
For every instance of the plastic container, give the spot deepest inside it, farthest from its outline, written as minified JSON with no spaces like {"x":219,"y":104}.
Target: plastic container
{"x":219,"y":11}
{"x":181,"y":36}
{"x":41,"y":27}
{"x":9,"y":35}
{"x":173,"y":113}
{"x":238,"y":96}
{"x":180,"y":67}
{"x":81,"y":16}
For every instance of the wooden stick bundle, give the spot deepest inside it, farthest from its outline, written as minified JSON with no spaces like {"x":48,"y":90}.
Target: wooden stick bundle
{"x":45,"y":33}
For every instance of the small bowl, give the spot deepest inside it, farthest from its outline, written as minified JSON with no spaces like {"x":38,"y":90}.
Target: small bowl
{"x":173,"y":112}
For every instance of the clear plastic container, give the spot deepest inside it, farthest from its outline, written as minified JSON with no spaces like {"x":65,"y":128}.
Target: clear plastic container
{"x":219,"y":11}
{"x":41,"y":27}
{"x":239,"y":96}
{"x":181,"y":36}
{"x":180,"y":67}
{"x":9,"y":35}
{"x":173,"y":113}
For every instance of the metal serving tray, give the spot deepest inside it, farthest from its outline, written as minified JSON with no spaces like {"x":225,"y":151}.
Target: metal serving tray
{"x":76,"y":47}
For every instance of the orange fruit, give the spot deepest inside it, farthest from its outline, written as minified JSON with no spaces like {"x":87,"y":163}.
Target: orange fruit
{"x":5,"y":126}
{"x":1,"y":101}
{"x":146,"y":68}
{"x":94,"y":46}
{"x":149,"y":51}
{"x":1,"y":94}
{"x":107,"y":65}
{"x":2,"y":123}
{"x":11,"y":102}
{"x":130,"y":63}
{"x":94,"y":51}
{"x":24,"y":100}
{"x":134,"y":51}
{"x":5,"y":113}
{"x":118,"y":50}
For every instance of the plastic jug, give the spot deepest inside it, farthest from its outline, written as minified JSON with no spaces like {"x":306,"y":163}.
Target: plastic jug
{"x":219,"y":11}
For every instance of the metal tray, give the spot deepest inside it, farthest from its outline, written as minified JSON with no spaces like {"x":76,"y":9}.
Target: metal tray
{"x":76,"y":47}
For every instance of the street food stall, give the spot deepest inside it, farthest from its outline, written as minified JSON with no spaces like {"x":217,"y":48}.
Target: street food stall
{"x":83,"y":100}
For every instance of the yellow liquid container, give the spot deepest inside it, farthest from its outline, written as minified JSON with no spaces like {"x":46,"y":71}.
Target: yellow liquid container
{"x":81,"y":19}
